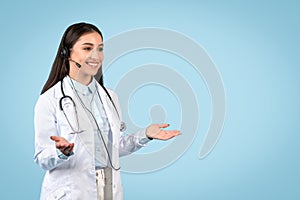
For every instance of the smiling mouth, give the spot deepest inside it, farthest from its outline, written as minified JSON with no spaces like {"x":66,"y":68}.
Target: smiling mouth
{"x":93,"y":64}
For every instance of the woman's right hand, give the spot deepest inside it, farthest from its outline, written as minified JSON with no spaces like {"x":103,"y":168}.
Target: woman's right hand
{"x":63,"y":145}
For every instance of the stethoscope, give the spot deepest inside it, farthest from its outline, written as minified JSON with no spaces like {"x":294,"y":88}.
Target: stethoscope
{"x":65,"y":97}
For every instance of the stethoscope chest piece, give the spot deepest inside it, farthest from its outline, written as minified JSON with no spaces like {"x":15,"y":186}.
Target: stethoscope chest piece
{"x":123,"y":127}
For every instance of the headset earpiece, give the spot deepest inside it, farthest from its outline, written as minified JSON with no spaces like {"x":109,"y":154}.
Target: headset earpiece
{"x":64,"y":53}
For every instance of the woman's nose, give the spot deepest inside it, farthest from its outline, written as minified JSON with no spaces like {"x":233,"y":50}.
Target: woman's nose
{"x":95,"y":54}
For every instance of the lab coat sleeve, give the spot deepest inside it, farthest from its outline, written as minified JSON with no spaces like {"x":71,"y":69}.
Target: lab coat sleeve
{"x":129,"y":143}
{"x":46,"y":155}
{"x":132,"y":142}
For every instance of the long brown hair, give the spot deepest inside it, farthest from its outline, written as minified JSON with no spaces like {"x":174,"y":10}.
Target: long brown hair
{"x":60,"y":67}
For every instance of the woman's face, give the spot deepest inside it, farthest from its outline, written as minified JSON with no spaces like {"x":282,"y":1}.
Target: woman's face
{"x":88,"y":52}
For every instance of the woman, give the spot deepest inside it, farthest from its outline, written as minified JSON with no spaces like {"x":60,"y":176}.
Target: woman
{"x":78,"y":130}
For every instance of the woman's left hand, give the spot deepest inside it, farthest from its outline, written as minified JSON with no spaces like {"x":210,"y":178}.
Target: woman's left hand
{"x":155,"y":131}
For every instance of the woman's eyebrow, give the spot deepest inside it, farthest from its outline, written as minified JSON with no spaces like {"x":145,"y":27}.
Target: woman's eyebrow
{"x":87,"y":43}
{"x":91,"y":44}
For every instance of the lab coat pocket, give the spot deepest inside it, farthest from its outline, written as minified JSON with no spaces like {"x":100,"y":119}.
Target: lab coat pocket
{"x":57,"y":194}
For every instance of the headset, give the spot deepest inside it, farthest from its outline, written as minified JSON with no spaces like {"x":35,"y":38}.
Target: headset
{"x":66,"y":56}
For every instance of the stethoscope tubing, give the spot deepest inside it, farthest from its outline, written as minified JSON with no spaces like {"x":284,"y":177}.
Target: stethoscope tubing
{"x":122,"y":125}
{"x":98,"y":128}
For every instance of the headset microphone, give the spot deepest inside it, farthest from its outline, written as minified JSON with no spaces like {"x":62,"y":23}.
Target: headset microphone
{"x":76,"y":63}
{"x":65,"y":54}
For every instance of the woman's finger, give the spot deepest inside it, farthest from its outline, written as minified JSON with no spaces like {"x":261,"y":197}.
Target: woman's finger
{"x":163,"y":125}
{"x":55,"y":138}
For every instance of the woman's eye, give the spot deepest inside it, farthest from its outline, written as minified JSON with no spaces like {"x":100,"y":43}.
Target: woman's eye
{"x":87,"y":48}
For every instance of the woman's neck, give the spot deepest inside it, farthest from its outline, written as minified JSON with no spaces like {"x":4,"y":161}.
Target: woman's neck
{"x":79,"y":77}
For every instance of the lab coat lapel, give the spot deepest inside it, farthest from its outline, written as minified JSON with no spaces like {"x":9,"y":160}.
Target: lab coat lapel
{"x":113,"y":121}
{"x":109,"y":108}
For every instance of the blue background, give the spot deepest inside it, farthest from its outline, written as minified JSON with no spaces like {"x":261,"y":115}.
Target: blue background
{"x":255,"y":46}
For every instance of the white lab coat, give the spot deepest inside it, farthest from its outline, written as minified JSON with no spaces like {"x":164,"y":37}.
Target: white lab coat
{"x":74,"y":178}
